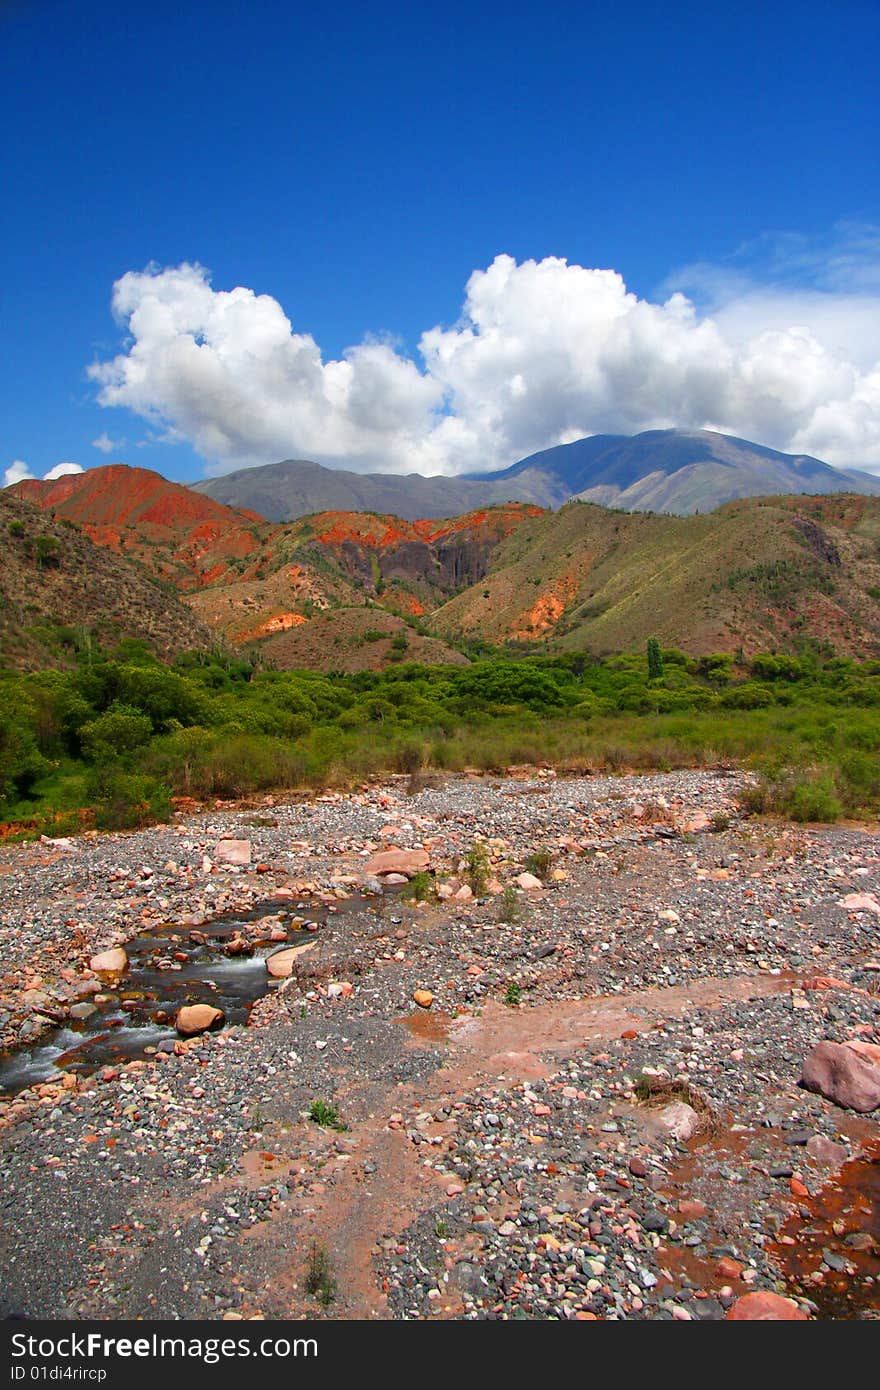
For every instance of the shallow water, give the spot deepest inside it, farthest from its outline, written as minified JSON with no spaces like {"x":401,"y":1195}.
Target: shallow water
{"x":846,"y":1207}
{"x":138,"y":1008}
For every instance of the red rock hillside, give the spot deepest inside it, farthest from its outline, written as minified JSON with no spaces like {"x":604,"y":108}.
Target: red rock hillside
{"x":180,"y":535}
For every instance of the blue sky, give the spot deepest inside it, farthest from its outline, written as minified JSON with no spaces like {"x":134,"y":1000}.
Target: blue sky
{"x":350,"y":170}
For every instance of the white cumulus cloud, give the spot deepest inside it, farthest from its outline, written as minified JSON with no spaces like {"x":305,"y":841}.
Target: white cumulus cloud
{"x":62,"y":470}
{"x":542,"y":353}
{"x":18,"y":471}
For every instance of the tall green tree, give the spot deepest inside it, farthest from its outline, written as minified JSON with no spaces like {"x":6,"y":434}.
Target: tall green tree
{"x":655,"y":660}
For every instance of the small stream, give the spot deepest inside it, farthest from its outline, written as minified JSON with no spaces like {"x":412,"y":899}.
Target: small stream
{"x":835,"y":1256}
{"x":167,"y":967}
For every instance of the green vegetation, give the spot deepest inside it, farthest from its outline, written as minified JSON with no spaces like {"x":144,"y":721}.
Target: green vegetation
{"x":513,"y":995}
{"x":114,"y":738}
{"x":327,"y":1116}
{"x":46,"y":551}
{"x":420,"y":888}
{"x":319,"y":1280}
{"x":539,"y":863}
{"x":655,"y":660}
{"x":509,"y":907}
{"x":478,"y":868}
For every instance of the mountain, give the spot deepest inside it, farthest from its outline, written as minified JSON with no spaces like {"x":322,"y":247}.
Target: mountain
{"x":757,"y":574}
{"x":52,"y":576}
{"x":313,"y":594}
{"x":350,"y":591}
{"x":177,"y":535}
{"x":296,"y":487}
{"x":676,"y":471}
{"x":310,"y":592}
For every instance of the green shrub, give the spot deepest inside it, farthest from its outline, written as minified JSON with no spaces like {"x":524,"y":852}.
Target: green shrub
{"x":319,"y":1281}
{"x":478,"y":868}
{"x":118,"y":731}
{"x":805,"y":796}
{"x":326,"y":1116}
{"x":655,"y":659}
{"x":509,"y":908}
{"x":46,"y":551}
{"x":126,"y":800}
{"x":420,"y":888}
{"x":539,"y":863}
{"x":811,"y":798}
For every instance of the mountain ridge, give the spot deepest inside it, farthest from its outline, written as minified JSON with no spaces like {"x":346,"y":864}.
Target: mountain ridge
{"x":55,"y":579}
{"x":341,"y":590}
{"x":674,"y":471}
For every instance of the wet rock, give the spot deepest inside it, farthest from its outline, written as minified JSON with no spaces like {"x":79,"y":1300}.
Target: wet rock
{"x":111,"y":962}
{"x":841,"y":1075}
{"x":197,"y":1018}
{"x":281,"y":963}
{"x":764,"y":1306}
{"x":82,"y":1010}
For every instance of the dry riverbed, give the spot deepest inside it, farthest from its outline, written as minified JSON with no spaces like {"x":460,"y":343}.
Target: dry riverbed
{"x":597,"y":1115}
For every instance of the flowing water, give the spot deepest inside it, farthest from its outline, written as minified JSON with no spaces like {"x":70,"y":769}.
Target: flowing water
{"x":168,"y":967}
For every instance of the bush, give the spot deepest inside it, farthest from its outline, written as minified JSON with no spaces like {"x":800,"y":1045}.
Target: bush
{"x":326,"y":1116}
{"x":478,"y":868}
{"x":509,"y":908}
{"x":202,"y":763}
{"x":118,"y":731}
{"x":127,"y":800}
{"x":420,"y":888}
{"x":804,"y":796}
{"x":539,"y":863}
{"x":811,"y":798}
{"x":319,"y":1281}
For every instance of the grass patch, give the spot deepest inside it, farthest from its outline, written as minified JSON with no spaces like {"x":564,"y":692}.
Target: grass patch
{"x":510,"y":907}
{"x":656,"y":1092}
{"x":419,"y":889}
{"x":478,"y":868}
{"x":327,"y":1116}
{"x":320,"y":1282}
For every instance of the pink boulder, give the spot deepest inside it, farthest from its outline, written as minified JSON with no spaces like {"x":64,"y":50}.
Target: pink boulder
{"x":398,"y":861}
{"x":841,"y":1075}
{"x":763,"y":1306}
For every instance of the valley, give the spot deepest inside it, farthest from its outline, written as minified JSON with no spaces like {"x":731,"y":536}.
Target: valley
{"x":594,"y":1111}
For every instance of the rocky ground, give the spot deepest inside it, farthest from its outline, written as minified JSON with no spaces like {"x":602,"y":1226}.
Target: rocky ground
{"x":594,"y":1114}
